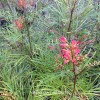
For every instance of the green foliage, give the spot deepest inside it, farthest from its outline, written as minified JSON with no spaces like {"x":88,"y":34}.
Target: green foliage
{"x":26,"y":75}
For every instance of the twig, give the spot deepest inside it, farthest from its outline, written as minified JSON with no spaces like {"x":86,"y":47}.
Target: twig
{"x":71,"y":17}
{"x":29,"y":38}
{"x":75,"y":80}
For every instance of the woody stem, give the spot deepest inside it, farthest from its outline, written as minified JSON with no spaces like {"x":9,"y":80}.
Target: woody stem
{"x":71,"y":17}
{"x":75,"y":80}
{"x":75,"y":76}
{"x":29,"y":38}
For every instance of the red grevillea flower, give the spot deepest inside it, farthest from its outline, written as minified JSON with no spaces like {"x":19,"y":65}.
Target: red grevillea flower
{"x":19,"y":24}
{"x":75,"y":47}
{"x":63,"y":45}
{"x":74,"y":44}
{"x":63,"y":39}
{"x":74,"y":61}
{"x":22,"y":3}
{"x":69,"y":51}
{"x":66,"y":54}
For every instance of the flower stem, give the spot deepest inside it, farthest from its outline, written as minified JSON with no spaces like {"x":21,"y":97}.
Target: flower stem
{"x":29,"y":38}
{"x":75,"y":80}
{"x":71,"y":17}
{"x":75,"y":76}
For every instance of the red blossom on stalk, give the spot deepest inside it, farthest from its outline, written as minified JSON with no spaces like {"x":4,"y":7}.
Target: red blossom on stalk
{"x":63,"y":39}
{"x":22,"y":3}
{"x":63,"y":45}
{"x":66,"y":54}
{"x":75,"y":47}
{"x":19,"y":24}
{"x":69,"y":52}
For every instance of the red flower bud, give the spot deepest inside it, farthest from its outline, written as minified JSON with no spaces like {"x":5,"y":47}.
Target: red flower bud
{"x":19,"y":24}
{"x":22,"y":3}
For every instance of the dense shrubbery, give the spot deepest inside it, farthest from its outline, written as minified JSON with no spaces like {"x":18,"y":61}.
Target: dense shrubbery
{"x":49,"y":50}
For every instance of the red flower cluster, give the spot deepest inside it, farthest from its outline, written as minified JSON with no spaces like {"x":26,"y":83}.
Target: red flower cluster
{"x":22,"y":3}
{"x":19,"y":23}
{"x":69,"y":52}
{"x":25,"y":3}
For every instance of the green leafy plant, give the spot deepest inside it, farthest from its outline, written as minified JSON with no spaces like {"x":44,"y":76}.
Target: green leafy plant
{"x":29,"y":46}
